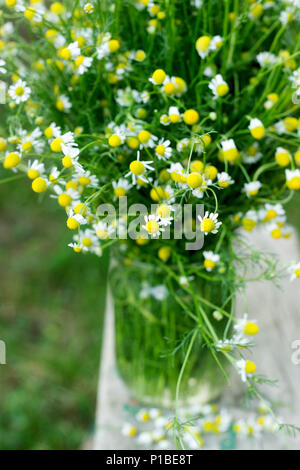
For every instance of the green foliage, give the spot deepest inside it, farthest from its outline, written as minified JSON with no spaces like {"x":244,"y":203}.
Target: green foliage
{"x":51,"y":306}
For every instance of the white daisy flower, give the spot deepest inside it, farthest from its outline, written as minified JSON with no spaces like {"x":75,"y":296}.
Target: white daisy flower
{"x":86,"y":179}
{"x":215,"y":43}
{"x":266,"y":59}
{"x":257,"y":128}
{"x":294,"y":270}
{"x":244,"y":326}
{"x":163,"y":150}
{"x":230,"y":151}
{"x":32,"y":141}
{"x":88,"y":8}
{"x":252,"y":154}
{"x":35,"y":169}
{"x":121,"y":187}
{"x":2,"y":64}
{"x":164,"y":212}
{"x":209,"y":223}
{"x":71,"y":156}
{"x":153,"y":225}
{"x":164,"y":120}
{"x":184,"y":280}
{"x":174,"y":115}
{"x":251,"y":189}
{"x":271,"y":212}
{"x":88,"y":239}
{"x":245,"y":369}
{"x":103,"y":230}
{"x":274,"y":229}
{"x":82,"y":64}
{"x":210,"y":260}
{"x":138,"y":169}
{"x":218,"y":86}
{"x":19,"y":91}
{"x":199,"y":192}
{"x":64,"y":196}
{"x":225,"y":345}
{"x":63,"y":103}
{"x":75,"y":220}
{"x":76,"y":246}
{"x":129,"y":430}
{"x":293,"y":179}
{"x":224,"y":180}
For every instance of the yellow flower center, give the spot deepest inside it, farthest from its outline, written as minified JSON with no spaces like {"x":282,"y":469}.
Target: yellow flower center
{"x":133,"y":143}
{"x":197,"y":165}
{"x":72,"y":223}
{"x":152,"y":226}
{"x":231,"y":155}
{"x":12,"y":159}
{"x":65,"y":53}
{"x":291,"y":124}
{"x":223,"y":184}
{"x":211,"y":172}
{"x":20,"y":91}
{"x":251,"y":328}
{"x":27,"y":146}
{"x":140,"y":56}
{"x":71,"y":185}
{"x":297,"y":272}
{"x":248,"y":224}
{"x":114,"y":45}
{"x":163,"y":210}
{"x":119,"y":192}
{"x":271,"y":214}
{"x":294,"y":183}
{"x":39,"y":185}
{"x":84,"y":180}
{"x":194,"y":180}
{"x":79,"y":60}
{"x":164,"y":253}
{"x":64,"y":200}
{"x":191,"y":117}
{"x":137,"y":168}
{"x":207,"y":225}
{"x":160,"y":149}
{"x":144,"y":137}
{"x":67,"y":162}
{"x":48,"y":132}
{"x":223,"y":89}
{"x":283,"y":158}
{"x":157,"y":194}
{"x":209,"y":264}
{"x":276,"y":233}
{"x":174,"y":118}
{"x":32,"y":174}
{"x":2,"y":144}
{"x":250,"y":367}
{"x":159,"y":76}
{"x":202,"y":43}
{"x":114,"y":140}
{"x":102,"y":234}
{"x":169,"y":88}
{"x":87,"y":242}
{"x":56,"y":145}
{"x":258,"y":132}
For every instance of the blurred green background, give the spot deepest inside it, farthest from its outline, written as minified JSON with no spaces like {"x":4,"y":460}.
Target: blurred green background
{"x":51,"y":313}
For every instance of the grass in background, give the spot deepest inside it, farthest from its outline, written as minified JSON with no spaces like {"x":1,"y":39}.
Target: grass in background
{"x":51,"y":309}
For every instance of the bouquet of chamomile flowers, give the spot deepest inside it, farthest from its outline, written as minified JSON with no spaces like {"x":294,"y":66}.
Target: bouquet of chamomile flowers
{"x":136,"y":114}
